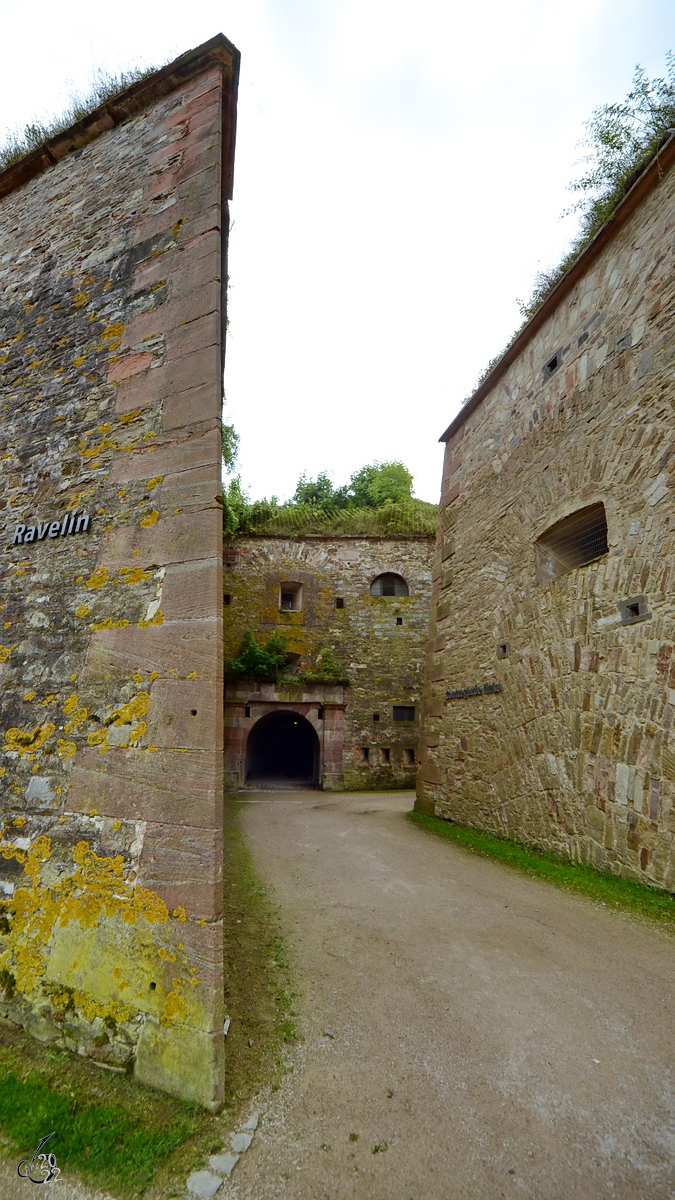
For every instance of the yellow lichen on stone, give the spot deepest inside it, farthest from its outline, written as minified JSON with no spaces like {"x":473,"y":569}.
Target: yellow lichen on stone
{"x":150,"y":519}
{"x":79,"y":717}
{"x":23,"y":742}
{"x":134,"y":574}
{"x":92,"y":451}
{"x":116,"y":825}
{"x":6,"y":651}
{"x":152,"y":483}
{"x":108,"y":623}
{"x":19,"y":822}
{"x":158,"y":619}
{"x":29,"y":696}
{"x":175,"y":1008}
{"x":65,"y":749}
{"x":81,"y":610}
{"x":127,"y":418}
{"x":98,"y":578}
{"x":137,"y":677}
{"x":71,"y":704}
{"x":113,"y":335}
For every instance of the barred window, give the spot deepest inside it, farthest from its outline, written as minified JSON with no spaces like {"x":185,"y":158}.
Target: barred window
{"x":573,"y":542}
{"x":290,"y":597}
{"x":403,"y":712}
{"x":389,"y":585}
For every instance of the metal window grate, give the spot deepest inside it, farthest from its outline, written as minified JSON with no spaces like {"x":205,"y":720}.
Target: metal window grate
{"x":290,"y":597}
{"x":573,"y":542}
{"x":389,"y":585}
{"x":403,"y":712}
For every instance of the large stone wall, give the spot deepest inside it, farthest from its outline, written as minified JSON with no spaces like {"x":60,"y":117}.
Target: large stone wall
{"x":113,"y":241}
{"x":576,"y":753}
{"x":382,"y":659}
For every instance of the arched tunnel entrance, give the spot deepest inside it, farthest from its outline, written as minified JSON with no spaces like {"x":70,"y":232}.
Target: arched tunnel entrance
{"x":284,"y":746}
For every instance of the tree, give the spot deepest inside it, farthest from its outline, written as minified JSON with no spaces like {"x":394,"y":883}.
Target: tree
{"x":229,"y":446}
{"x":622,"y":139}
{"x":380,"y":483}
{"x":320,"y":492}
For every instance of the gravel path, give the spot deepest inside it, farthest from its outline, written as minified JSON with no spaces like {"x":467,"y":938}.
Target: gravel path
{"x":469,"y":1032}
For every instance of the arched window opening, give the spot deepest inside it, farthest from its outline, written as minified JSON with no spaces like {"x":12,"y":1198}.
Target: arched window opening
{"x":389,"y":585}
{"x":573,"y":542}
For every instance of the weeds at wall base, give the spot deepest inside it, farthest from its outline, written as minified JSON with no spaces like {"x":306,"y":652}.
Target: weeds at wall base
{"x":613,"y":891}
{"x":130,"y":1141}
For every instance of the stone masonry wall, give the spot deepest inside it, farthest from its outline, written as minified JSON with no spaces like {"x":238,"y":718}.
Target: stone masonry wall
{"x":576,"y":753}
{"x":111,"y":719}
{"x":382,"y":659}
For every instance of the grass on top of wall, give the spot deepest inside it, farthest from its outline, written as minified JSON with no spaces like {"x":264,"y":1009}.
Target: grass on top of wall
{"x":601,"y":886}
{"x":127,"y":1139}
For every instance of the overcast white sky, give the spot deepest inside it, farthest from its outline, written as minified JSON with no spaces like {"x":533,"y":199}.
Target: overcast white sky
{"x":399,"y":177}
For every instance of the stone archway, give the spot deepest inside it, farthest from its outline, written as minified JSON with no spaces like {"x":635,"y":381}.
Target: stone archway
{"x":283,"y":746}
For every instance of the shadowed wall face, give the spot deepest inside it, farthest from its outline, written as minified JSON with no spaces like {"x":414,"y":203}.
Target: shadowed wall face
{"x":111,"y":721}
{"x":550,"y":688}
{"x":283,"y":746}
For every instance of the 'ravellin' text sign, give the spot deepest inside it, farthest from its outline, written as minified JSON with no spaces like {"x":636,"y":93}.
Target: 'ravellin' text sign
{"x":71,"y":523}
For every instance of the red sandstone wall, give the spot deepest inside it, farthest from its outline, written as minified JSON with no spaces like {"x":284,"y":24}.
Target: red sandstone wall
{"x":112,"y":380}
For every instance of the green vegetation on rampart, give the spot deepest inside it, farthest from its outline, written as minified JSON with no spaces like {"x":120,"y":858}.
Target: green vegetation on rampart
{"x":621,"y":140}
{"x":377,"y":502}
{"x":601,"y":886}
{"x":104,"y":87}
{"x":272,"y":662}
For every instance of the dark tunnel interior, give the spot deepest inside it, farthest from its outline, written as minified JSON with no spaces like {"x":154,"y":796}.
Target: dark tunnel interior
{"x":283,"y":745}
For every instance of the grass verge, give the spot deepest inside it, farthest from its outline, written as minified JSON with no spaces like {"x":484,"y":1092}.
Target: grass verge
{"x":133,"y":1142}
{"x":601,"y":886}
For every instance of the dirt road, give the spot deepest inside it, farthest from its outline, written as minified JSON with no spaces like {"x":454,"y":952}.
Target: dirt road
{"x":469,"y":1032}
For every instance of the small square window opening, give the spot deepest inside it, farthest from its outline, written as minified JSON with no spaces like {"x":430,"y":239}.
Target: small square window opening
{"x":552,"y":364}
{"x":227,"y":599}
{"x":633,"y":610}
{"x":386,"y":756}
{"x":247,"y":711}
{"x":365,"y":754}
{"x":339,"y":601}
{"x":408,"y":757}
{"x":502,"y":650}
{"x":320,"y":714}
{"x":403,"y":712}
{"x":399,"y":620}
{"x":290,"y":597}
{"x":376,"y":716}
